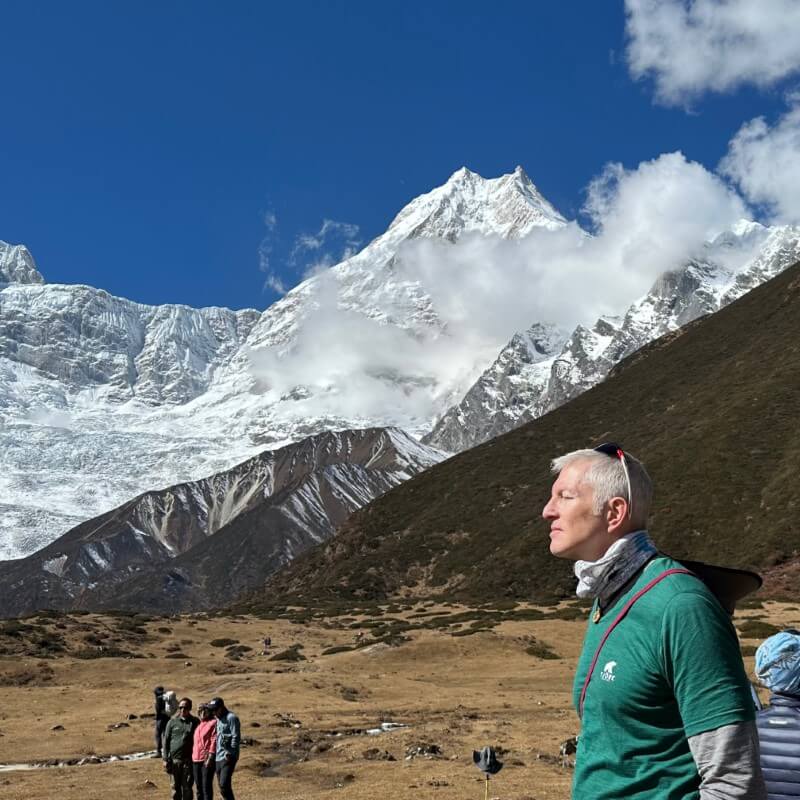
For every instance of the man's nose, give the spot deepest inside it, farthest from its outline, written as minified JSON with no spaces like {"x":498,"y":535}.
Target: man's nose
{"x":548,"y":512}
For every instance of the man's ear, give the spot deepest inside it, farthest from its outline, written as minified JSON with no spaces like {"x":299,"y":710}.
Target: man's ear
{"x":617,"y":514}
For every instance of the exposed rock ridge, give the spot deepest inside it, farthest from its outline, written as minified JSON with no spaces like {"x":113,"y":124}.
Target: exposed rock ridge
{"x":511,"y":392}
{"x":17,"y":265}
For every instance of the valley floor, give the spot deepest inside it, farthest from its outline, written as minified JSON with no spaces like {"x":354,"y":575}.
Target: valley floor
{"x":305,"y":720}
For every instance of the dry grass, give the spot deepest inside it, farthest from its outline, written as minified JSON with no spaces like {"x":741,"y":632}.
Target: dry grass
{"x":459,"y":693}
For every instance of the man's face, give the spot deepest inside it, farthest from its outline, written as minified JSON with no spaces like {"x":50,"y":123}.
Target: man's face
{"x":576,"y":532}
{"x":185,"y":709}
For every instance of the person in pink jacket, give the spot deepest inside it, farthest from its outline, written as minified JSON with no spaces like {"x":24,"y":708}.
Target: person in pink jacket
{"x":203,"y":750}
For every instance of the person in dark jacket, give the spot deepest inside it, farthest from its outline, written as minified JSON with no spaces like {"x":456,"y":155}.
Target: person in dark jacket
{"x":178,"y":740}
{"x":778,"y":668}
{"x":162,"y":718}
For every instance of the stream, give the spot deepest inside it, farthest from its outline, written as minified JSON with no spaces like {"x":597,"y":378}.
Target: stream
{"x":55,"y":763}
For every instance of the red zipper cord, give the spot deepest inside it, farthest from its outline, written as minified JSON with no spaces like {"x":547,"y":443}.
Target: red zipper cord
{"x":622,"y":614}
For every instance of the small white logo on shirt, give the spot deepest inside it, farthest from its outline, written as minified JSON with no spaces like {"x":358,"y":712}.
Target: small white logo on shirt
{"x":608,"y":671}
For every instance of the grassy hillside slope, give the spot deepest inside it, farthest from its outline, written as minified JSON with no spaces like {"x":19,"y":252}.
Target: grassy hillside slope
{"x":713,"y":412}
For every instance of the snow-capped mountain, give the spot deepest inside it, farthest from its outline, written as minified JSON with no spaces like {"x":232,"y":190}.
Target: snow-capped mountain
{"x":519,"y":386}
{"x":73,"y":360}
{"x":163,"y":549}
{"x":102,"y":398}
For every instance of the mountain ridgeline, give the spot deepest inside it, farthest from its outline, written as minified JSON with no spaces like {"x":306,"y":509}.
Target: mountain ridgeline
{"x":712,"y":411}
{"x":102,"y":398}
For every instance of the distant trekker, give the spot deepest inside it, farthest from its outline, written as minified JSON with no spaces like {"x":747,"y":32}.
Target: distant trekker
{"x":228,"y":742}
{"x":178,"y":741}
{"x":660,"y":687}
{"x":162,"y":718}
{"x":778,"y":668}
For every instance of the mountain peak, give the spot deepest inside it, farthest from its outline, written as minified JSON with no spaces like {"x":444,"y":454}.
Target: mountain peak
{"x":509,"y":206}
{"x":520,"y":174}
{"x":17,"y":265}
{"x":463,"y":174}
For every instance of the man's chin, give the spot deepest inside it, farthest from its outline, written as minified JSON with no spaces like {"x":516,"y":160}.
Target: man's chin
{"x":559,"y":551}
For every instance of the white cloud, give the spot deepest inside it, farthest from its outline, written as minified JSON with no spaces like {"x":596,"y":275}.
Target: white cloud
{"x":310,"y":252}
{"x":265,"y":249}
{"x":689,"y":47}
{"x":483,"y":289}
{"x":332,"y":234}
{"x":765,"y":162}
{"x":647,"y":220}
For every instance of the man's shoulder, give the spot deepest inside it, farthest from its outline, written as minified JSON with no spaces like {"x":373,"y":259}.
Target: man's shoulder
{"x":677,"y":593}
{"x":684,"y":584}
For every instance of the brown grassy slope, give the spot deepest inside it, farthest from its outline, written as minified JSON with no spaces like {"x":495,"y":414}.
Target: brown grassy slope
{"x":712,"y":412}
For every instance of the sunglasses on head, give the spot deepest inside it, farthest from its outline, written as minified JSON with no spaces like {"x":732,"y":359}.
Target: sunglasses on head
{"x":613,"y":450}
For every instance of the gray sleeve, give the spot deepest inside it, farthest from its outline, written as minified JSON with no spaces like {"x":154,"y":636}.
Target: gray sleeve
{"x":729,"y":764}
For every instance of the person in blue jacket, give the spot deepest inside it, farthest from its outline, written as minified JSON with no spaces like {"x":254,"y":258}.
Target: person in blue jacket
{"x":228,"y":742}
{"x":778,"y":668}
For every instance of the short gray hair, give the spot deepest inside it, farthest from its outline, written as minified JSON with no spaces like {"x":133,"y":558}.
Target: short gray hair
{"x":606,"y":475}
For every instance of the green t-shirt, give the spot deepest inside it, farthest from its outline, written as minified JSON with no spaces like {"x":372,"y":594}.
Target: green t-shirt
{"x":670,"y":670}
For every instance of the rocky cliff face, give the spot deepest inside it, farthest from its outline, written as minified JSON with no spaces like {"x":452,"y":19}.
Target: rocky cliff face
{"x":201,"y":543}
{"x":17,"y":265}
{"x":513,"y":383}
{"x":513,"y":390}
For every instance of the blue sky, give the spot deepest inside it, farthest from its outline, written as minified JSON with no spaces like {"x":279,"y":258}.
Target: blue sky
{"x":143,"y":145}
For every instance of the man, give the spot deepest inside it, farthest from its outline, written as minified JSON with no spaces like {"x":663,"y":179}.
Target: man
{"x":161,"y":720}
{"x":665,"y":706}
{"x":228,"y":740}
{"x":178,"y":739}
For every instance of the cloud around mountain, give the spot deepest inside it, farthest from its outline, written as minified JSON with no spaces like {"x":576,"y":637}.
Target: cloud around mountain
{"x":483,"y":288}
{"x":646,"y":220}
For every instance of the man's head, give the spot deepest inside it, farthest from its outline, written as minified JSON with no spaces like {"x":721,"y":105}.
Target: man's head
{"x":598,"y":496}
{"x":217,"y":706}
{"x":185,"y":707}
